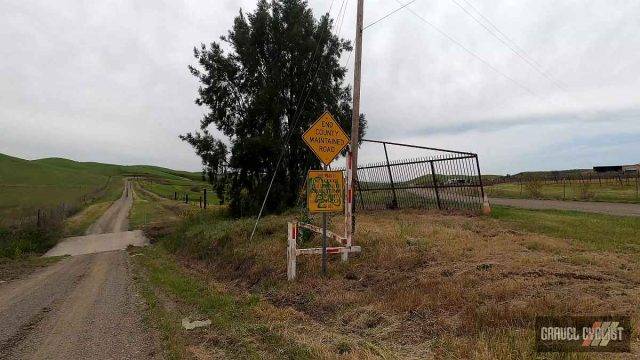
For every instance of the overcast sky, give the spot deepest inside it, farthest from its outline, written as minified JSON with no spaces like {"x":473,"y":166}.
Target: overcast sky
{"x":108,"y":81}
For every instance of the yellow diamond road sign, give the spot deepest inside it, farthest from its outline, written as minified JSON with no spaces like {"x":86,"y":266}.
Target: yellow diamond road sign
{"x":326,"y":138}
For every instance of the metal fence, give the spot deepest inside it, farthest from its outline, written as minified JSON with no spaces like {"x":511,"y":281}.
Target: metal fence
{"x":441,"y":179}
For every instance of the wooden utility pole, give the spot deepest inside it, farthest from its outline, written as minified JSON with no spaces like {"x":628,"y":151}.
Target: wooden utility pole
{"x":355,"y":121}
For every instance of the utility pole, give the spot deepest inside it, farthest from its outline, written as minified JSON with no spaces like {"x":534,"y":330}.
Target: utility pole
{"x":355,"y":126}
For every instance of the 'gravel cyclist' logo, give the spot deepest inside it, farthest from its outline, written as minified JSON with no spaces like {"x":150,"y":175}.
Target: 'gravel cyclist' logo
{"x":583,"y":334}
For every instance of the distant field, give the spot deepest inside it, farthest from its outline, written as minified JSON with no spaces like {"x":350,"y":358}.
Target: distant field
{"x":167,"y":188}
{"x":589,"y":191}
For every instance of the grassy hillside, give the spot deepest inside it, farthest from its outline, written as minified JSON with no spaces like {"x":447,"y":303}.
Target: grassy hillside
{"x":113,"y":170}
{"x":26,"y":186}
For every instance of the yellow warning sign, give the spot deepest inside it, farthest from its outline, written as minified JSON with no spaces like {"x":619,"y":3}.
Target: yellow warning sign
{"x":325,"y":191}
{"x":326,"y":138}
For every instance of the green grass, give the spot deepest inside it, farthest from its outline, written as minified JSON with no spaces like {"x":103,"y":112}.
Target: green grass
{"x":596,"y":231}
{"x":146,"y":210}
{"x":593,"y":191}
{"x":18,"y":243}
{"x":237,"y":331}
{"x":167,"y":189}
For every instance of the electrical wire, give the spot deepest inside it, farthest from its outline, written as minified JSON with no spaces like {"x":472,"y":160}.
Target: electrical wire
{"x":389,"y":14}
{"x":508,"y":43}
{"x":470,"y":52}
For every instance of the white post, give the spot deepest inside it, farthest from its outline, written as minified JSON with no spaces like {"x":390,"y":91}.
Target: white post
{"x":292,"y":234}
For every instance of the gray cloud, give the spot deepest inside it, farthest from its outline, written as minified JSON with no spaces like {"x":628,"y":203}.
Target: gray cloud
{"x":107,"y":81}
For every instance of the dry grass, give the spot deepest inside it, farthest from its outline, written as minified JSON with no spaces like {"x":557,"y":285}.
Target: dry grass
{"x":426,"y":285}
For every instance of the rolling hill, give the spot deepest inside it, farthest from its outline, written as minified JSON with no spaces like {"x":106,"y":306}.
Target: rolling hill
{"x":26,"y":185}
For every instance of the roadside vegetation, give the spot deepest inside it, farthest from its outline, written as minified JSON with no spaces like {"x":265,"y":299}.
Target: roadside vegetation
{"x":426,"y":284}
{"x":623,"y":192}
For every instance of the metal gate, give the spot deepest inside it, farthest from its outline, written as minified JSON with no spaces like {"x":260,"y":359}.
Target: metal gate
{"x":442,"y":179}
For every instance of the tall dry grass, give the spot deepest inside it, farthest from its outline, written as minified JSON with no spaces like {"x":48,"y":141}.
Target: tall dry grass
{"x":425,"y":285}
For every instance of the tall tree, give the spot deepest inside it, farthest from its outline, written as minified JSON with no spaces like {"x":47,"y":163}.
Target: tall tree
{"x":280,"y":73}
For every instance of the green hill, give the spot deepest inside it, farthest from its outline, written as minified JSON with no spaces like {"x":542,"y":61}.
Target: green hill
{"x":114,"y":170}
{"x":28,"y":185}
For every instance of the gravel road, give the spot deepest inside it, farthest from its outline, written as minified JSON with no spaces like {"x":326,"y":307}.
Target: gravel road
{"x":619,"y":209}
{"x":82,"y":307}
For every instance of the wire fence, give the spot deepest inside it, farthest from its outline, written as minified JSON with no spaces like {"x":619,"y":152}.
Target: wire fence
{"x":569,"y":185}
{"x":45,"y":217}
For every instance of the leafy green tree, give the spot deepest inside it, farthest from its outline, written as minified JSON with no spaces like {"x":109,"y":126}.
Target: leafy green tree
{"x":280,"y":72}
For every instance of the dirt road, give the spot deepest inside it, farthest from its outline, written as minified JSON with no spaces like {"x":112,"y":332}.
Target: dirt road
{"x":619,"y":209}
{"x":82,"y":307}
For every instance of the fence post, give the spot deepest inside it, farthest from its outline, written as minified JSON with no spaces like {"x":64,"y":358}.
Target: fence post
{"x":394,"y":203}
{"x":435,"y":184}
{"x":186,"y":198}
{"x":175,"y":195}
{"x":479,"y":177}
{"x":205,"y":197}
{"x":292,"y":234}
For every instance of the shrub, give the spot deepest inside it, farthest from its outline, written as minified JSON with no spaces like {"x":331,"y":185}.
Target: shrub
{"x":534,"y":188}
{"x":14,"y":243}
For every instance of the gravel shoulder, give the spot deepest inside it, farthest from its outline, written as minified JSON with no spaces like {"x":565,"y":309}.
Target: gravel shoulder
{"x":618,"y":209}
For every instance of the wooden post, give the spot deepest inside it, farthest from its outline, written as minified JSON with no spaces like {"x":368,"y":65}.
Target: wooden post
{"x":292,"y":234}
{"x":355,"y":119}
{"x":324,"y":241}
{"x":205,"y":197}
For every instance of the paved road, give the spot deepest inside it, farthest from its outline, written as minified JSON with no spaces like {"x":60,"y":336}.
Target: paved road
{"x":619,"y":209}
{"x":82,"y":307}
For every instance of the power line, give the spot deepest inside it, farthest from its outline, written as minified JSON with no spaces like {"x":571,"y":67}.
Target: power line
{"x":389,"y":14}
{"x":470,"y":52}
{"x":513,"y":47}
{"x":500,"y":32}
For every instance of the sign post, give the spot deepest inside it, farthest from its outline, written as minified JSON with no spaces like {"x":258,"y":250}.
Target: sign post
{"x":326,"y":193}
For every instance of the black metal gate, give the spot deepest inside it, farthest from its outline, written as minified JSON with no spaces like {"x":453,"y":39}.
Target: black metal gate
{"x":442,"y":179}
